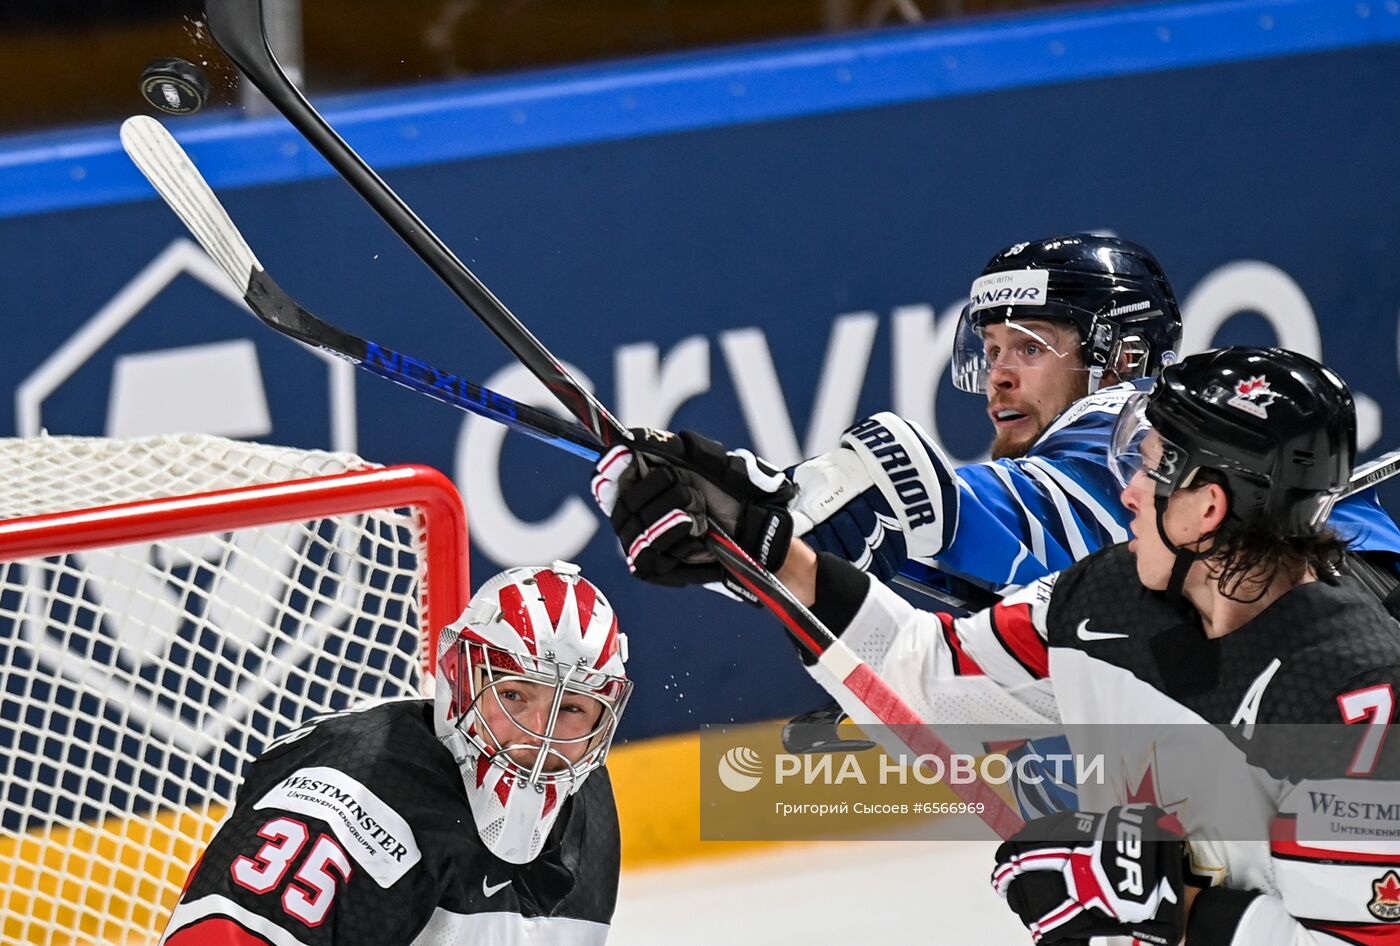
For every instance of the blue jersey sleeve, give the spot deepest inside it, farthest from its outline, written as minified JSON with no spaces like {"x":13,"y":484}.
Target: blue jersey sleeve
{"x":1364,"y":524}
{"x":1024,"y":518}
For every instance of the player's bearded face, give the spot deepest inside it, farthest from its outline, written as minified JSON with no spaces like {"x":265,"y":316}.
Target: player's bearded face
{"x":1034,"y":372}
{"x":516,"y":714}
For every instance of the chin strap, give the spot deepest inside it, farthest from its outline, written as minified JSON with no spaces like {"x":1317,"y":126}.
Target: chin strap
{"x":1095,"y":378}
{"x":1185,"y":558}
{"x":460,"y":746}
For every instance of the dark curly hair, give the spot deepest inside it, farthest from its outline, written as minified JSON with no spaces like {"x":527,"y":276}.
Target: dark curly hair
{"x":1245,"y":557}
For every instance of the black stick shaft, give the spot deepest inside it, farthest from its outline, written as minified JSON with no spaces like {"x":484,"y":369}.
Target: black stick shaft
{"x":237,"y":25}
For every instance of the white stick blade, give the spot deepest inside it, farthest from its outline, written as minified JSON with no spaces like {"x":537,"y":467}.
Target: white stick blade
{"x":171,"y":172}
{"x":1369,"y":474}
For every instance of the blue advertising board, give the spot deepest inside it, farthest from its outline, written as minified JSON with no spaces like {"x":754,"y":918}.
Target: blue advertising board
{"x":763,"y":244}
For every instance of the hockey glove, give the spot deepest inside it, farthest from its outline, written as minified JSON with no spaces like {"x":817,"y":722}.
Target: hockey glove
{"x":885,"y":495}
{"x":1080,"y":874}
{"x":662,"y":507}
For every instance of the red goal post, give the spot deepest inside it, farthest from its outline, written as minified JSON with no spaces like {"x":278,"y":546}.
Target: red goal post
{"x":168,"y":606}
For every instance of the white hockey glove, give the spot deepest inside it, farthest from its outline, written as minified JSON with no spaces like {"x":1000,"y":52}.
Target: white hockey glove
{"x":886,"y":495}
{"x":1081,"y":874}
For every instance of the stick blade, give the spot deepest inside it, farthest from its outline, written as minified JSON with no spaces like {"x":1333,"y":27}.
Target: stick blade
{"x":159,"y":157}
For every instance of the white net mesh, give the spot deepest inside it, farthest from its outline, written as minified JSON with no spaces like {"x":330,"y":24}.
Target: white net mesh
{"x":137,"y":681}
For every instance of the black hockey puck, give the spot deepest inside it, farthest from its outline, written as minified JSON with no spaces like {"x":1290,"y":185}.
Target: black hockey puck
{"x":175,"y":86}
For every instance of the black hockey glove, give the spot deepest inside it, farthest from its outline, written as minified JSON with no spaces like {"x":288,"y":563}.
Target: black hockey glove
{"x":1079,"y":874}
{"x":662,"y":507}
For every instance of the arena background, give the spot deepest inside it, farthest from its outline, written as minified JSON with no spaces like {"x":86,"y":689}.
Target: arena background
{"x":763,"y":242}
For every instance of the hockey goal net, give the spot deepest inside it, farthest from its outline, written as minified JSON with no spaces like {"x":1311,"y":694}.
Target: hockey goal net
{"x":168,"y":606}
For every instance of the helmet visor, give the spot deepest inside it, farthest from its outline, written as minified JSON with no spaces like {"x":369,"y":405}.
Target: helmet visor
{"x":1137,"y":447}
{"x":1035,"y":344}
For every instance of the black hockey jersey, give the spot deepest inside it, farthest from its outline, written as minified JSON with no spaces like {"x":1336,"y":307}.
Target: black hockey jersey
{"x":1268,"y":743}
{"x":356,"y":831}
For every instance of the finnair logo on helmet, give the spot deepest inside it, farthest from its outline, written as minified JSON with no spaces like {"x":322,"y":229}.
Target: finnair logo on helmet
{"x":1021,"y":287}
{"x":1129,"y":308}
{"x":1253,"y":396}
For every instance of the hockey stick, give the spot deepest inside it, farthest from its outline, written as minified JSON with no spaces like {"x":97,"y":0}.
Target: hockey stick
{"x":171,"y":172}
{"x":237,"y":27}
{"x":1369,"y":474}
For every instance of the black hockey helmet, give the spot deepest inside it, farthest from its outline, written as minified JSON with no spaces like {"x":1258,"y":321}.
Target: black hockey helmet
{"x":1113,"y":291}
{"x":1276,"y":425}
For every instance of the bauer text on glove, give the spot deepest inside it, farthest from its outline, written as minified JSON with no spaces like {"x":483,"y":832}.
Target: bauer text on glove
{"x":1080,"y":874}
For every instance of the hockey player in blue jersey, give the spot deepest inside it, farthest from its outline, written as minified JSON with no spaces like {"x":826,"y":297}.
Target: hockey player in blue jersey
{"x":1057,"y":334}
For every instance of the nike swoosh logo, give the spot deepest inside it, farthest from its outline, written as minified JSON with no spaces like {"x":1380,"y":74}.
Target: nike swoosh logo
{"x":1089,"y":636}
{"x":492,"y":889}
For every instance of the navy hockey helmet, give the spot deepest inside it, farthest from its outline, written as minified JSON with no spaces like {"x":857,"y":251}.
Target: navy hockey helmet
{"x":1112,"y":291}
{"x":1278,"y":427}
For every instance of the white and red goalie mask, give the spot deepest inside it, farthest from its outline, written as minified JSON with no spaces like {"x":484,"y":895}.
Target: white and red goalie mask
{"x":530,"y":686}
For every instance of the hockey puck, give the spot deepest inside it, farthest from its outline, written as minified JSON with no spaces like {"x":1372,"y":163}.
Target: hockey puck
{"x":175,"y":86}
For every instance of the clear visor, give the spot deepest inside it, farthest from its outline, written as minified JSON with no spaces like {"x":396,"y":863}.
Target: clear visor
{"x":540,"y":720}
{"x":1031,"y":345}
{"x":1138,"y":447}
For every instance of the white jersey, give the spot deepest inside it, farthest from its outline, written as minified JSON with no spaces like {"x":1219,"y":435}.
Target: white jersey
{"x":1292,"y":812}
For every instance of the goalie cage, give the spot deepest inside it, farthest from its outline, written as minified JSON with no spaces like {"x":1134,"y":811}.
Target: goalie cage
{"x":168,"y":606}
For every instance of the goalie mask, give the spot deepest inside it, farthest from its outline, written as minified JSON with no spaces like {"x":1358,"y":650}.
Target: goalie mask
{"x":530,"y":686}
{"x":1111,"y":292}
